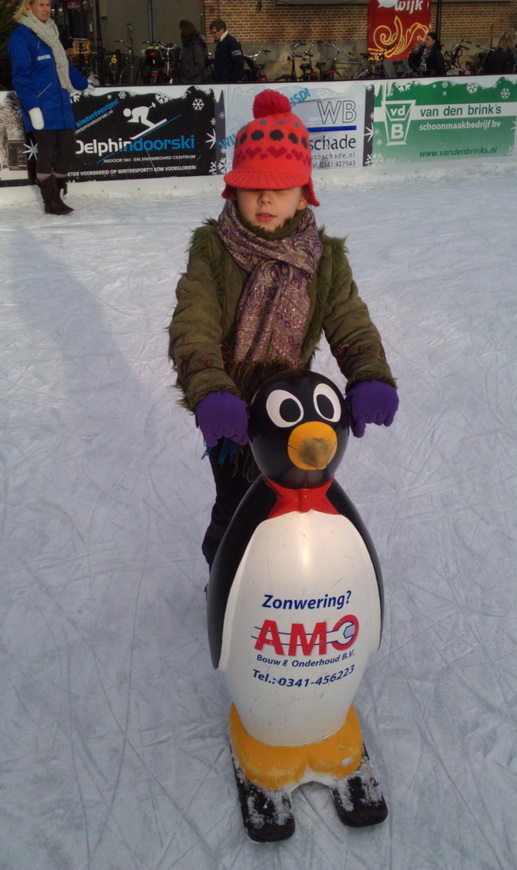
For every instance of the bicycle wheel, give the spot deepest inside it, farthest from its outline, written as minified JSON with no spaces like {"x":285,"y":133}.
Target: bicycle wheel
{"x":126,"y":75}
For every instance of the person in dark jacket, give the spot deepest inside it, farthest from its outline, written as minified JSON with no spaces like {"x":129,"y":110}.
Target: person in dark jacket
{"x":229,"y":59}
{"x":501,"y":59}
{"x":431,"y":62}
{"x":194,"y":54}
{"x":43,"y":79}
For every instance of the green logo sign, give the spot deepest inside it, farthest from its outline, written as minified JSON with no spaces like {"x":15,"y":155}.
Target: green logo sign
{"x":444,"y":119}
{"x":398,"y":116}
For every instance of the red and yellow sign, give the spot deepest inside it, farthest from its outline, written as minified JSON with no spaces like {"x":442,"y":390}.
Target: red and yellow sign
{"x":394,"y":25}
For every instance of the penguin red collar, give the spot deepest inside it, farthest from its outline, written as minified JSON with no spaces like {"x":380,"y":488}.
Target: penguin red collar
{"x":301,"y":500}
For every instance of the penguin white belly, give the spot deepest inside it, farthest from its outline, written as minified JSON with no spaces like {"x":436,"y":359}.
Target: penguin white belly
{"x":302,"y":619}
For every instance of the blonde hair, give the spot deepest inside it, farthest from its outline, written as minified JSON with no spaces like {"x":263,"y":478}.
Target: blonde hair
{"x":23,"y":7}
{"x":507,"y":40}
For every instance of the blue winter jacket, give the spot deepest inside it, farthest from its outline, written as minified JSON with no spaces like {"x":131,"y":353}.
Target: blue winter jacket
{"x":36,"y":82}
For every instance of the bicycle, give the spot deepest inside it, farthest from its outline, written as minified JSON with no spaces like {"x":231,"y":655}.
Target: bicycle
{"x":127,"y":75}
{"x":330,"y":73}
{"x":115,"y":63}
{"x":292,"y":77}
{"x":452,"y":58}
{"x":371,"y":67}
{"x":82,"y":56}
{"x":255,"y":71}
{"x":476,"y":65}
{"x":171,"y":53}
{"x":159,"y":65}
{"x":308,"y":73}
{"x":401,"y":71}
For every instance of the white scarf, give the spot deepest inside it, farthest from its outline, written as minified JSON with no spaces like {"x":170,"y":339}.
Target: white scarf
{"x":49,"y":34}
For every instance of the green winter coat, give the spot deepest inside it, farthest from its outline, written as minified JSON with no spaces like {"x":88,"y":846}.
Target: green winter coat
{"x":202,"y":330}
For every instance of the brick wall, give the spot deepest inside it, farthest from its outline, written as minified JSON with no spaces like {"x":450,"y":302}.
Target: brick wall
{"x":262,"y":21}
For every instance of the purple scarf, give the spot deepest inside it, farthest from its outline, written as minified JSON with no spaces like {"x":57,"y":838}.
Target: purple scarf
{"x":274,"y":304}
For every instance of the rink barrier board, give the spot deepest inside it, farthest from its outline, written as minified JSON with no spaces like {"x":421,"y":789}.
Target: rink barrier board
{"x":175,"y":131}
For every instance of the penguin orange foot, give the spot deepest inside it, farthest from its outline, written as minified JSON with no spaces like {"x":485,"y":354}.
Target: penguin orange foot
{"x":267,"y":815}
{"x":266,"y":775}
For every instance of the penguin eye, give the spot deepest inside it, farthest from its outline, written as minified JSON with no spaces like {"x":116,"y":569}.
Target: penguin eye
{"x":327,"y":403}
{"x":284,"y":409}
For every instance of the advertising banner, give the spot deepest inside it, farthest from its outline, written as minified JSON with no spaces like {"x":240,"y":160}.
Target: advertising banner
{"x":336,"y":117}
{"x":395,"y":25}
{"x":141,"y":132}
{"x":444,"y":119}
{"x":144,"y":133}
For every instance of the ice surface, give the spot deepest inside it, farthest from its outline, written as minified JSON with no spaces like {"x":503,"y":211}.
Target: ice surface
{"x":113,"y":749}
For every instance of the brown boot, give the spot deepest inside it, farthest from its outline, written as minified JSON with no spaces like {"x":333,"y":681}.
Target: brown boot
{"x":51,"y":198}
{"x":62,"y":190}
{"x":61,"y":184}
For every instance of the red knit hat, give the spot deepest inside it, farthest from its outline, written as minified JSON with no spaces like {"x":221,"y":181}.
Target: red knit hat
{"x":273,"y":151}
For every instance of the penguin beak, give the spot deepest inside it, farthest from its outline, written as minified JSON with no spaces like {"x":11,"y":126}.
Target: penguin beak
{"x":312,"y":446}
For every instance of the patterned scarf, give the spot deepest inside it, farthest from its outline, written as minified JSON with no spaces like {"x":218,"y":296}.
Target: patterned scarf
{"x":274,"y":305}
{"x":422,"y":68}
{"x":49,"y":34}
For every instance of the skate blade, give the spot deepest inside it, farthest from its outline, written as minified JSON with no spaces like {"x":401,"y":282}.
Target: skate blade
{"x":267,"y":815}
{"x":358,"y":799}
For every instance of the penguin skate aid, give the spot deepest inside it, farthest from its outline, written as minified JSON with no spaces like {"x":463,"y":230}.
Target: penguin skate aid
{"x":294,"y":612}
{"x":261,"y":287}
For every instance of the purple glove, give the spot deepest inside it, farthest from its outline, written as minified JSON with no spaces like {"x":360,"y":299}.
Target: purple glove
{"x":371,"y":402}
{"x":222,"y":415}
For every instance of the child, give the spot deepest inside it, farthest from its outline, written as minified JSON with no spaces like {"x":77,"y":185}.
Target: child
{"x":262,"y":284}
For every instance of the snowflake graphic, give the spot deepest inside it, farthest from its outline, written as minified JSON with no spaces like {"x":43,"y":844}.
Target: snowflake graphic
{"x":122,"y":95}
{"x":378,"y":160}
{"x":198,"y":105}
{"x":368,"y":133}
{"x":161,"y":98}
{"x":403,"y":86}
{"x":214,"y":168}
{"x":221,"y":116}
{"x":505,"y":93}
{"x":472,"y":87}
{"x":212,"y":121}
{"x":222,"y":165}
{"x":511,"y":151}
{"x":31,"y":150}
{"x":211,"y":140}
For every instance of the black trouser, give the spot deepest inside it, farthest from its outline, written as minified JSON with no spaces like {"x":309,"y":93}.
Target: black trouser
{"x":56,"y":150}
{"x":230,"y":486}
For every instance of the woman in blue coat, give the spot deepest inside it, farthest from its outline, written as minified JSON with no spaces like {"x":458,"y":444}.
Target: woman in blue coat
{"x":44,"y":78}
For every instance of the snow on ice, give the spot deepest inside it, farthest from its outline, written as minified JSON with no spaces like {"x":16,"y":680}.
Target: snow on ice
{"x":113,"y":750}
